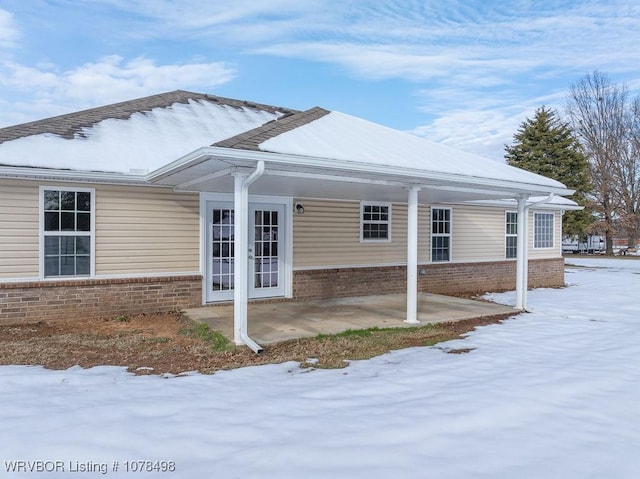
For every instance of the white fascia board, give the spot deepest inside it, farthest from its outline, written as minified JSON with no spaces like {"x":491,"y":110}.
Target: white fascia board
{"x":556,"y":204}
{"x":406,"y":176}
{"x":18,"y":172}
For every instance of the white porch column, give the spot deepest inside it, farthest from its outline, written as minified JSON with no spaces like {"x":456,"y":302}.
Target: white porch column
{"x":521,"y":257}
{"x":240,"y":257}
{"x":412,"y":256}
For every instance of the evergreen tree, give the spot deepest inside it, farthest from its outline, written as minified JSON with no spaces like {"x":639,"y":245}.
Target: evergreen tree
{"x":547,"y":146}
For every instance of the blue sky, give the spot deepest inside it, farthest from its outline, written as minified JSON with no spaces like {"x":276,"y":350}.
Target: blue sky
{"x":465,"y":73}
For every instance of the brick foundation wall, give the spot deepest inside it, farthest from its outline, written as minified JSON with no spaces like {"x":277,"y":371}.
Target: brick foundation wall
{"x":495,"y":276}
{"x":442,"y":278}
{"x":98,"y":298}
{"x":345,"y":282}
{"x":91,"y":298}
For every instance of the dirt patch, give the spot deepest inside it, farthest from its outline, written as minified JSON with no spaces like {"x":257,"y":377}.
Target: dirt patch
{"x":169,"y":343}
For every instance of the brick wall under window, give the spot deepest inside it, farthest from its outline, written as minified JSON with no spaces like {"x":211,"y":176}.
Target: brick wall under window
{"x":91,"y":298}
{"x":442,"y":278}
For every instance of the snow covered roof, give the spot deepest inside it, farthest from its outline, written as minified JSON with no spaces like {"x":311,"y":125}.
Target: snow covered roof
{"x":354,"y":159}
{"x":135,"y":136}
{"x":338,"y":136}
{"x":194,"y":142}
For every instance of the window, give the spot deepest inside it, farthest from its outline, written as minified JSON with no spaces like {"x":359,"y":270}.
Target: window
{"x":67,"y":231}
{"x":440,"y":234}
{"x":511,"y":234}
{"x":375,"y":221}
{"x":543,"y":230}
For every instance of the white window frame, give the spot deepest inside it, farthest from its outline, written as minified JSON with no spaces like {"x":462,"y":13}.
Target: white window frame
{"x":388,"y":222}
{"x":510,"y":235}
{"x":548,"y":241}
{"x":441,"y":235}
{"x":43,"y":234}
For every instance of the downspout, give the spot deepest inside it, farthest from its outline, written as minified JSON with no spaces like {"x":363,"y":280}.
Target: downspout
{"x":412,"y":256}
{"x":523,"y":269}
{"x":240,"y":293}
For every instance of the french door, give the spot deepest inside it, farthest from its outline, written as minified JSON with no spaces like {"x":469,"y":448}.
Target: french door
{"x":265,"y":254}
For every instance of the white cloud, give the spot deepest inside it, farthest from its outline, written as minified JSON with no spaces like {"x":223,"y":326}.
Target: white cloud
{"x":481,"y":124}
{"x":108,"y":80}
{"x":484,"y":132}
{"x":9,"y":33}
{"x":460,"y":43}
{"x":241,"y":22}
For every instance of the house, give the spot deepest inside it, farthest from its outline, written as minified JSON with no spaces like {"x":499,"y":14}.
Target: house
{"x":183,"y":199}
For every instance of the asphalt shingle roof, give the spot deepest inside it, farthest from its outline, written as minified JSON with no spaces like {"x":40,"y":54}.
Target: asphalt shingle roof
{"x":72,"y":124}
{"x":250,"y":140}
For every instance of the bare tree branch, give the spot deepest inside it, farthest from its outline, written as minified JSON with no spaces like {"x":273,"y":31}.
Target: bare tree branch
{"x":607,"y":125}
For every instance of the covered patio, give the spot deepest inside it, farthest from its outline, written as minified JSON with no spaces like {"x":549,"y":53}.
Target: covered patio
{"x":329,"y":155}
{"x":282,"y":321}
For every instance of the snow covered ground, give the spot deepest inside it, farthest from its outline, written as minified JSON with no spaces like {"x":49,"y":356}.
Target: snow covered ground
{"x":550,"y":394}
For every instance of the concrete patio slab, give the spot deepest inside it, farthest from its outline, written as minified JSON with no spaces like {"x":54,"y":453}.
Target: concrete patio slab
{"x":275,"y":322}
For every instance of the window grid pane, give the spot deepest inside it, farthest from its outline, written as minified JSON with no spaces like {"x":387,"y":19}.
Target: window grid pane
{"x":222,"y":276}
{"x":266,"y":273}
{"x":512,"y":247}
{"x":440,"y":248}
{"x":375,"y":222}
{"x":543,"y":230}
{"x":61,"y":210}
{"x":67,"y":255}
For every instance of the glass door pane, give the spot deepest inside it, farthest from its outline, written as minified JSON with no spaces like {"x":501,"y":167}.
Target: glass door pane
{"x":266,"y":246}
{"x":222,"y":250}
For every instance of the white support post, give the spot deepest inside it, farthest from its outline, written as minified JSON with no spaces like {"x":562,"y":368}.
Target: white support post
{"x":240,"y":257}
{"x":525,"y":265}
{"x":412,"y":256}
{"x":521,"y":257}
{"x":522,"y":266}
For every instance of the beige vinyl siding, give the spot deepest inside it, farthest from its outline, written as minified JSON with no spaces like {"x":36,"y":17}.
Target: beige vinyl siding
{"x":18,"y":229}
{"x":138,"y":230}
{"x":328,"y":234}
{"x":146,"y":230}
{"x":478,"y":234}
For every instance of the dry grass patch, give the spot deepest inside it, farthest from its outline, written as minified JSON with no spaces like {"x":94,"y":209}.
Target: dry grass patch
{"x":170,"y":343}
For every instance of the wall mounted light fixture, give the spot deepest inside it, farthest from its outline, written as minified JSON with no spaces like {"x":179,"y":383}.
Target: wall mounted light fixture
{"x":300,"y":208}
